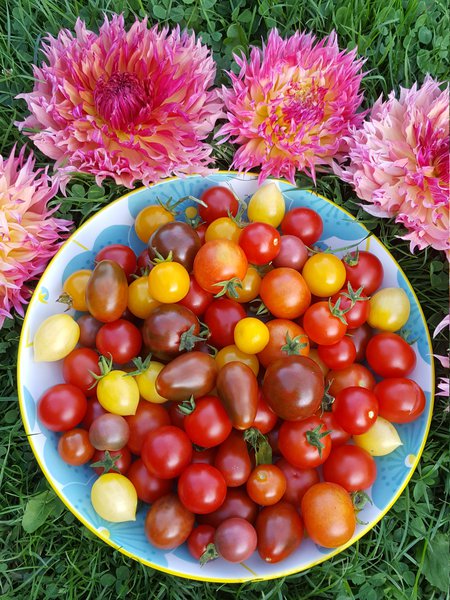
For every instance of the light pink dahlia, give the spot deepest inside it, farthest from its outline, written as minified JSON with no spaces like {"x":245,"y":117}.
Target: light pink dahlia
{"x":29,"y":235}
{"x":133,"y":105}
{"x":291,"y":105}
{"x":400,"y":163}
{"x":443,"y":385}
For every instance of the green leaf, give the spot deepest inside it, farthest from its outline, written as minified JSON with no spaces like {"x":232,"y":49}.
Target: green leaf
{"x":425,"y":35}
{"x":39,"y":509}
{"x":437,"y":559}
{"x":107,"y":579}
{"x":159,"y":11}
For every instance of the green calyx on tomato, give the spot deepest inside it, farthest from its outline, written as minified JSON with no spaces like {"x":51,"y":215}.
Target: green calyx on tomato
{"x":159,"y":258}
{"x":293,"y":345}
{"x":354,"y":296}
{"x":229,"y":287}
{"x":209,"y":554}
{"x":188,"y":406}
{"x":352,"y":258}
{"x":108,"y":463}
{"x":105,"y":366}
{"x":328,"y":399}
{"x":188,"y":339}
{"x":141,"y":365}
{"x":172,"y":205}
{"x":65,"y":298}
{"x":359,"y":501}
{"x":260,"y":309}
{"x":337,"y":311}
{"x":259,"y":442}
{"x":315,"y":436}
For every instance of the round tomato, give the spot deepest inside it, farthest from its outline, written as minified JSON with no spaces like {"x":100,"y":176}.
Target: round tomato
{"x":266,"y":485}
{"x":233,"y":460}
{"x":118,"y":393}
{"x":365,"y":270}
{"x":121,"y":459}
{"x":324,"y":324}
{"x":297,"y":481}
{"x":381,"y":439}
{"x":201,"y":488}
{"x":285,"y":293}
{"x":354,"y":305}
{"x":148,"y":487}
{"x":148,"y":417}
{"x":220,"y":202}
{"x":324,"y":274}
{"x":197,"y":299}
{"x":232,"y":354}
{"x":207,"y":424}
{"x":236,"y":504}
{"x":260,"y":242}
{"x":305,"y":444}
{"x":166,"y":452}
{"x":340,"y":355}
{"x":280,"y":532}
{"x":389,"y":309}
{"x":265,"y":419}
{"x":221,"y":318}
{"x":360,"y":336}
{"x":109,"y":432}
{"x":400,"y":400}
{"x":355,"y":409}
{"x":217,"y":262}
{"x":223,"y":228}
{"x":170,"y":330}
{"x":201,"y":232}
{"x":354,"y":375}
{"x":267,"y":205}
{"x":338,"y":435}
{"x":121,"y":340}
{"x":114,"y":498}
{"x":328,"y":528}
{"x":303,"y":223}
{"x":140,"y":303}
{"x":235,"y":540}
{"x":75,"y":448}
{"x":89,"y":327}
{"x":286,"y":338}
{"x":168,"y":523}
{"x":251,"y":335}
{"x":351,"y":467}
{"x":122,"y":255}
{"x":390,"y":356}
{"x":168,"y":282}
{"x":61,"y":407}
{"x":199,"y":539}
{"x":249,"y":288}
{"x":293,"y":253}
{"x":74,"y":290}
{"x":176,"y":241}
{"x":149,"y":219}
{"x":79,"y":368}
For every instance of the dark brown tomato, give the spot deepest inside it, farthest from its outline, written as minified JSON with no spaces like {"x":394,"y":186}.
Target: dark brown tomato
{"x":165,"y":331}
{"x":280,"y":531}
{"x":107,"y":292}
{"x":177,"y":238}
{"x":89,"y":327}
{"x":293,"y":387}
{"x":191,"y":374}
{"x":233,"y":460}
{"x":168,"y":523}
{"x":237,"y":387}
{"x":237,"y":503}
{"x":297,"y":481}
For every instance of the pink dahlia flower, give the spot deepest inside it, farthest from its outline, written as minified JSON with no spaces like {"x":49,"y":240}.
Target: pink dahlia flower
{"x":29,"y":235}
{"x":133,"y":105}
{"x":400,"y":163}
{"x":443,"y":384}
{"x":291,"y":105}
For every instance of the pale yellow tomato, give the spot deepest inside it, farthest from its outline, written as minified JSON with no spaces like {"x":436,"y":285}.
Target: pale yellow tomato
{"x":140,"y":303}
{"x":149,"y":219}
{"x":324,"y":273}
{"x":267,"y":205}
{"x":232,"y":353}
{"x":114,"y":498}
{"x":55,"y":338}
{"x":389,"y":309}
{"x":168,"y":282}
{"x":146,"y":382}
{"x":250,"y":287}
{"x":118,"y":393}
{"x":74,"y":290}
{"x":251,"y":335}
{"x":223,"y":228}
{"x":381,"y":439}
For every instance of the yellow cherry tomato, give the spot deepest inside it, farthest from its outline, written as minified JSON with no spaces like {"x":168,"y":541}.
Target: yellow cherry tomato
{"x":381,"y":439}
{"x":146,"y":383}
{"x":118,"y":393}
{"x":55,"y":338}
{"x":389,"y":309}
{"x":140,"y":303}
{"x":232,"y":354}
{"x":314,"y":355}
{"x":114,"y":498}
{"x":250,"y":286}
{"x":168,"y":282}
{"x":74,"y":290}
{"x":149,"y":219}
{"x":251,"y":335}
{"x":223,"y":228}
{"x":324,"y":273}
{"x":267,"y":205}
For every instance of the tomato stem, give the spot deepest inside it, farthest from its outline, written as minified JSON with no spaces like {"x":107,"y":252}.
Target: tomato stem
{"x":188,"y":339}
{"x":293,"y":345}
{"x":108,"y":462}
{"x":337,"y":311}
{"x":354,"y":296}
{"x":160,"y":258}
{"x":105,"y":366}
{"x":328,"y":399}
{"x":261,"y":309}
{"x":188,"y":406}
{"x":171,"y":205}
{"x":66,"y":298}
{"x":141,"y":366}
{"x":229,"y":287}
{"x":260,"y":444}
{"x":314,"y":437}
{"x":209,"y":554}
{"x":352,"y":258}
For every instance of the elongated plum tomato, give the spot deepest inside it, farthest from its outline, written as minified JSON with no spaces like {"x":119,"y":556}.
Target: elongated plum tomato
{"x":237,"y":388}
{"x":260,"y":242}
{"x":75,"y":448}
{"x":364,"y":270}
{"x":285,"y":293}
{"x":293,"y":387}
{"x":328,"y":528}
{"x":304,"y":223}
{"x":61,"y":407}
{"x":74,"y":290}
{"x":122,"y":255}
{"x":400,"y":400}
{"x":118,"y":393}
{"x":166,"y":452}
{"x":219,"y":261}
{"x":79,"y":368}
{"x":197,"y":299}
{"x":220,"y":202}
{"x":235,"y":539}
{"x":121,"y":340}
{"x":55,"y":338}
{"x":168,"y":523}
{"x":390,"y":356}
{"x":191,"y":374}
{"x":148,"y":487}
{"x":107,"y":292}
{"x":149,"y":219}
{"x":324,"y":274}
{"x":232,"y":353}
{"x":267,"y":205}
{"x":148,"y":417}
{"x":140,"y":303}
{"x":389,"y":309}
{"x":114,"y":498}
{"x":381,"y":439}
{"x":168,"y":282}
{"x":177,"y":239}
{"x":286,"y":338}
{"x":293,"y":253}
{"x":201,"y":488}
{"x":280,"y":531}
{"x":351,"y":467}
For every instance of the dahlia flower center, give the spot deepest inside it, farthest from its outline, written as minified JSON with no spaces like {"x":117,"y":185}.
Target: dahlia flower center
{"x":120,"y":99}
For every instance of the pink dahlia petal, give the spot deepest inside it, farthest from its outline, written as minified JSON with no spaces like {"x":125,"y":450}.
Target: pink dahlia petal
{"x":291,"y":105}
{"x":29,"y":234}
{"x":445,"y":323}
{"x":399,"y":163}
{"x":443,"y":387}
{"x":133,"y":105}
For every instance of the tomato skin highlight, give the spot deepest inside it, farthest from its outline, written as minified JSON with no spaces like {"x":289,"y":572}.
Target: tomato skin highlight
{"x":221,"y":317}
{"x":351,"y":467}
{"x":237,"y":387}
{"x":400,"y":400}
{"x":297,"y":481}
{"x":168,"y":523}
{"x":75,"y":448}
{"x":233,"y":460}
{"x":107,"y":292}
{"x":166,"y":452}
{"x":355,"y":409}
{"x":260,"y":242}
{"x":61,"y":407}
{"x":148,"y":487}
{"x":390,"y":356}
{"x":201,"y":488}
{"x":280,"y":532}
{"x":328,"y":514}
{"x":296,"y":448}
{"x":285,"y":293}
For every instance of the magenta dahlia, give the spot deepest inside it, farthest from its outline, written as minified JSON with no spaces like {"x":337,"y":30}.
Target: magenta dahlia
{"x":133,"y":105}
{"x":399,"y":163}
{"x":29,"y":234}
{"x":291,"y":105}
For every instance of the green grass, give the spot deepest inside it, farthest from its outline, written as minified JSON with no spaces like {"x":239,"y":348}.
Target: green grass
{"x":406,"y":555}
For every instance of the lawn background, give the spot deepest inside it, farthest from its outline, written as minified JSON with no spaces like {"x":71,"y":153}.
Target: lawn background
{"x":406,"y":555}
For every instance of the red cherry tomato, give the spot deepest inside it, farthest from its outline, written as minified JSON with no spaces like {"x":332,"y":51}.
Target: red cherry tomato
{"x":201,"y":488}
{"x":166,"y":452}
{"x":233,"y":460}
{"x":354,"y":375}
{"x":400,"y":400}
{"x":260,"y":242}
{"x":364,"y":270}
{"x":206,"y":456}
{"x":61,"y":407}
{"x":390,"y":356}
{"x":351,"y":467}
{"x":122,"y":463}
{"x":218,"y":261}
{"x":360,"y":336}
{"x":208,"y":424}
{"x":120,"y":339}
{"x":297,"y":481}
{"x":236,"y":504}
{"x":79,"y":367}
{"x":293,"y":253}
{"x":148,"y":487}
{"x":322,"y":326}
{"x":168,"y":523}
{"x":221,"y":318}
{"x":266,"y":485}
{"x":265,"y":419}
{"x":199,"y":538}
{"x":197,"y":299}
{"x":280,"y":531}
{"x":355,"y":315}
{"x":355,"y":409}
{"x":340,"y":355}
{"x":305,"y":444}
{"x":75,"y":448}
{"x":304,"y":223}
{"x":285,"y":293}
{"x":235,"y":540}
{"x":338,"y":435}
{"x":148,"y":417}
{"x":122,"y":255}
{"x":220,"y":202}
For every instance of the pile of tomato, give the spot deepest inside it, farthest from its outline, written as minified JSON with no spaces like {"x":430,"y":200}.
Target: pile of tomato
{"x":213,"y":375}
